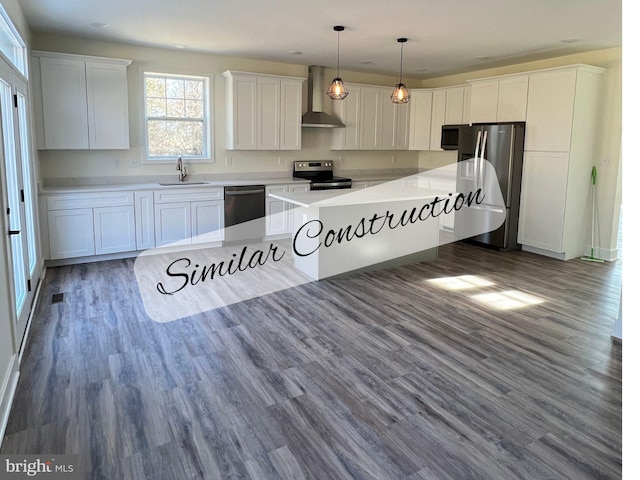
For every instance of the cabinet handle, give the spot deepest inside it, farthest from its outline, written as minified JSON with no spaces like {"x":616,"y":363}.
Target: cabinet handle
{"x":14,"y":232}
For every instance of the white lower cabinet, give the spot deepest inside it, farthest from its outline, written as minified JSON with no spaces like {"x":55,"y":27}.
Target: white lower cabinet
{"x":71,"y":233}
{"x":543,"y":199}
{"x":278,"y":214}
{"x":207,"y":221}
{"x":114,"y":229}
{"x":449,"y":186}
{"x":85,"y":224}
{"x":173,"y":223}
{"x":145,"y":221}
{"x":188,"y":215}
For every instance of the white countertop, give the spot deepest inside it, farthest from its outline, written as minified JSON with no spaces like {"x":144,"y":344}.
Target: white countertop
{"x":387,"y":192}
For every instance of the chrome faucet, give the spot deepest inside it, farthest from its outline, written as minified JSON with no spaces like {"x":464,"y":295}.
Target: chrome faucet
{"x":183,"y":170}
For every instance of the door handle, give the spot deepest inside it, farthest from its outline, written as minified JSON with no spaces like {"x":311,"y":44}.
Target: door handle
{"x":14,"y":232}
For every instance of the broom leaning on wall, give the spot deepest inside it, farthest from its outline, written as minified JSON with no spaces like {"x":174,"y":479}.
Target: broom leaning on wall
{"x":591,"y":257}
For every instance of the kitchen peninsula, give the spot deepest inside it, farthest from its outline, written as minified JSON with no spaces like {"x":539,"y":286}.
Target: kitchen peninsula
{"x":336,"y":232}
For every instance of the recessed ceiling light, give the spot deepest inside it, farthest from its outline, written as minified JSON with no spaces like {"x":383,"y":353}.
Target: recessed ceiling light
{"x":294,"y":52}
{"x":180,"y":46}
{"x":422,"y":69}
{"x":364,"y":62}
{"x":482,"y":58}
{"x":570,"y":40}
{"x":100,"y":25}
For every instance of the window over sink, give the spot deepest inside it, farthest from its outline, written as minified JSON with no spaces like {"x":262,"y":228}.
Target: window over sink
{"x":177,"y":117}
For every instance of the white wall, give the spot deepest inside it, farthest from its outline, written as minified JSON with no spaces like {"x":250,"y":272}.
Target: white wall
{"x":315,"y":142}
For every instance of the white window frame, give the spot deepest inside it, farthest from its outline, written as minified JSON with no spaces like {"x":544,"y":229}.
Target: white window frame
{"x":19,"y":57}
{"x":208,"y":134}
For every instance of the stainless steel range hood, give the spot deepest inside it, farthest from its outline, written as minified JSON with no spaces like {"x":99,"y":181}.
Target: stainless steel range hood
{"x":315,"y":116}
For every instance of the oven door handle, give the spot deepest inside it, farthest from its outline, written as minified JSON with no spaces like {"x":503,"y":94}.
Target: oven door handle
{"x":243,"y":192}
{"x":331,"y":184}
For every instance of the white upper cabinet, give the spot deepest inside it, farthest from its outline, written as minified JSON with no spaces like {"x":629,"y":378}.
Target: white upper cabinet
{"x":263,"y":112}
{"x":80,"y":102}
{"x":420,"y":119}
{"x":499,"y":100}
{"x":438,"y":114}
{"x":372,"y":121}
{"x":550,"y":110}
{"x":456,"y":105}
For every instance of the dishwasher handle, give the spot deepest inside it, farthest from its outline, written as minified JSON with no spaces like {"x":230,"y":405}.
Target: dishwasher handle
{"x":232,"y":193}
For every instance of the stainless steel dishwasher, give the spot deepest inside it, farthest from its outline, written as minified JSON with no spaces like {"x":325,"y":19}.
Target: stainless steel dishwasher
{"x":244,"y":212}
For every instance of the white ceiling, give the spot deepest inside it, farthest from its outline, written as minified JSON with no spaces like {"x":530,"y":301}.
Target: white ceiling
{"x":445,"y":36}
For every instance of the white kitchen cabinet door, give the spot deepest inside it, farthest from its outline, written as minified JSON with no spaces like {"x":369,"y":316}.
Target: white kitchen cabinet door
{"x":64,"y":103}
{"x":268,"y":113}
{"x":145,"y":222}
{"x":438,"y":107}
{"x":401,"y":130}
{"x":349,"y":113}
{"x":242,"y":121}
{"x":207,"y":221}
{"x":370,"y":127}
{"x":114,"y":229}
{"x":388,"y":122}
{"x":71,"y":233}
{"x":173,"y":223}
{"x":290,"y":115}
{"x":543,"y":199}
{"x":276,"y":212}
{"x":447,"y":221}
{"x":550,"y":111}
{"x":484,"y":101}
{"x":108,"y":106}
{"x":455,"y":105}
{"x":512,"y":100}
{"x":420,"y":119}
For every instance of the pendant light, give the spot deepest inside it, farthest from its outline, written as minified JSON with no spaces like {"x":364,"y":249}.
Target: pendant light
{"x":337,"y":89}
{"x":400,"y":92}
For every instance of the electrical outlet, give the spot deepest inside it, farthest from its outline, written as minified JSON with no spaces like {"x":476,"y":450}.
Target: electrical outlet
{"x":280,"y":161}
{"x":393,"y":159}
{"x":117,"y":163}
{"x":136,"y":163}
{"x":341,"y":159}
{"x":606,"y":161}
{"x":228,"y":161}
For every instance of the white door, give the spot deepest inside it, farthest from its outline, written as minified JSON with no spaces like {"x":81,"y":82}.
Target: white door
{"x":115,"y":229}
{"x":71,"y":233}
{"x":18,"y":194}
{"x":173,"y":223}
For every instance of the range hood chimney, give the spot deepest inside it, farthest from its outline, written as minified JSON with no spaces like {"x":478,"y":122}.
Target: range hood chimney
{"x":315,"y":117}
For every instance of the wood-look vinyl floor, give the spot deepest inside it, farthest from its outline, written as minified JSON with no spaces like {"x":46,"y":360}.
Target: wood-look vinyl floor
{"x":382,"y":375}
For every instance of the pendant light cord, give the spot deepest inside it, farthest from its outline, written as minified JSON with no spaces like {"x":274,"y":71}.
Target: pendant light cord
{"x":338,"y":69}
{"x":401,"y":57}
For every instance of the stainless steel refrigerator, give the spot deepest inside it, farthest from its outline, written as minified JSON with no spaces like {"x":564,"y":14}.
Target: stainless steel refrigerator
{"x":504,"y":150}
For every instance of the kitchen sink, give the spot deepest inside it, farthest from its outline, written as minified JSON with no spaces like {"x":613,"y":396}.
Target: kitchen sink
{"x":174,"y":184}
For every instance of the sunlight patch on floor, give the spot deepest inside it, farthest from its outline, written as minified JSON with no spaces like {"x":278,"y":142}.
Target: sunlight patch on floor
{"x":462,"y":282}
{"x":507,"y":300}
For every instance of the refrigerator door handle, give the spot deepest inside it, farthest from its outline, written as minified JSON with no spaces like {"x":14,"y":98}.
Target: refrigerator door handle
{"x":482,"y":152}
{"x":475,"y":159}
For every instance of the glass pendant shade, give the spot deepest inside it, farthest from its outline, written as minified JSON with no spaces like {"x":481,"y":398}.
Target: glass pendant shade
{"x":337,"y":89}
{"x":400,"y":94}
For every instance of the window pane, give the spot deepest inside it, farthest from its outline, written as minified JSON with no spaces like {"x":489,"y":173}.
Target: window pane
{"x":175,"y":138}
{"x":193,"y":90}
{"x":194,"y":109}
{"x":175,"y":108}
{"x":155,"y":87}
{"x":156,"y":107}
{"x":175,"y":88}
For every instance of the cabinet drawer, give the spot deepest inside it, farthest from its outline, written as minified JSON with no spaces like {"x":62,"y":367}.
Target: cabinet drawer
{"x":89,"y":200}
{"x":187,"y":195}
